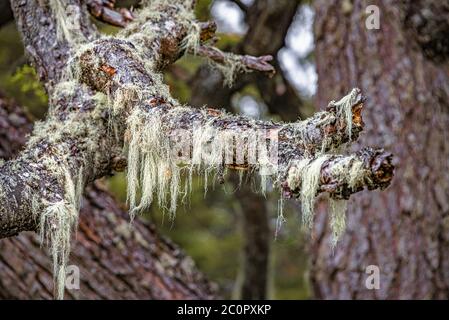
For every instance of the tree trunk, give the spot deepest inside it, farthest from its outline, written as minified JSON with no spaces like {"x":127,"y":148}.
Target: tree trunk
{"x":115,"y":261}
{"x":404,"y":231}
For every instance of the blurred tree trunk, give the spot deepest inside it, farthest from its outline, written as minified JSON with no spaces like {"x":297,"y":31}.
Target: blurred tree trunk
{"x":268,"y":23}
{"x":115,"y":261}
{"x":5,"y":12}
{"x":404,"y":231}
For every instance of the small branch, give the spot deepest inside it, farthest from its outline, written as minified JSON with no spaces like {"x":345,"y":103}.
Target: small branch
{"x":341,"y":176}
{"x":249,"y":62}
{"x":104,"y":11}
{"x":241,"y":5}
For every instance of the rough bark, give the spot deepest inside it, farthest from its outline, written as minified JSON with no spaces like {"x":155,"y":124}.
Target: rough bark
{"x":403,"y":231}
{"x":116,"y":261}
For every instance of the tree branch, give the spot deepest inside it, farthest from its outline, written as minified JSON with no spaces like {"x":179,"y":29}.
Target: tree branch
{"x":248,"y":62}
{"x":111,"y":96}
{"x":91,"y":147}
{"x":103,"y":10}
{"x":162,"y":271}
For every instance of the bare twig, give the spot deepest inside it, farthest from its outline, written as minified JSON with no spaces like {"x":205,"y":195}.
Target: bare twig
{"x":252,"y":63}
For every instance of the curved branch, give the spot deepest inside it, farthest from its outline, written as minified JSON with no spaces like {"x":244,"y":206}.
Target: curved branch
{"x":103,"y":10}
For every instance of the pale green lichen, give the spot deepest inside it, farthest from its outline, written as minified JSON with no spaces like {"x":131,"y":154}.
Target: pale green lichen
{"x":185,"y":17}
{"x":310,"y":180}
{"x":153,"y":171}
{"x":57,"y":220}
{"x":344,"y":108}
{"x":304,"y":175}
{"x":67,"y":21}
{"x":230,"y":67}
{"x":338,"y":219}
{"x":150,"y":168}
{"x":154,"y":165}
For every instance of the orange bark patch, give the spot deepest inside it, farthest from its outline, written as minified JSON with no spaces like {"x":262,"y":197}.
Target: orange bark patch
{"x":108,"y":70}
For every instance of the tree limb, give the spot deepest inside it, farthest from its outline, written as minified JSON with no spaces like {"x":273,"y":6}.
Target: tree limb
{"x":110,"y":87}
{"x":103,"y":10}
{"x":97,"y":148}
{"x":105,"y":248}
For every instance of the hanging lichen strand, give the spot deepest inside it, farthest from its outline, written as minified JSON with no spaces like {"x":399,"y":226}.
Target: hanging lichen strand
{"x":304,"y":179}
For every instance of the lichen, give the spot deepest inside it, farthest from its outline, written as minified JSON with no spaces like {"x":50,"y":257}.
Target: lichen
{"x":230,"y":67}
{"x":57,"y":220}
{"x":344,"y":109}
{"x":337,"y":219}
{"x":304,"y":176}
{"x":309,"y":186}
{"x":67,"y":22}
{"x":154,"y":172}
{"x":155,"y":166}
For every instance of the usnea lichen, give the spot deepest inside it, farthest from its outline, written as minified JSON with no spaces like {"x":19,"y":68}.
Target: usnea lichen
{"x":67,"y":21}
{"x":230,"y":67}
{"x":155,"y":164}
{"x":57,"y":221}
{"x":344,"y":109}
{"x":304,"y":175}
{"x":148,"y":19}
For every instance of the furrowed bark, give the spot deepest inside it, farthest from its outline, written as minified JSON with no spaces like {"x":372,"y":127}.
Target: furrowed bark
{"x":115,"y":261}
{"x":404,"y":232}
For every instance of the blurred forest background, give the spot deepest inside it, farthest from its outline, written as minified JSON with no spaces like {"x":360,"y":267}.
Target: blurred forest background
{"x":322,"y":49}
